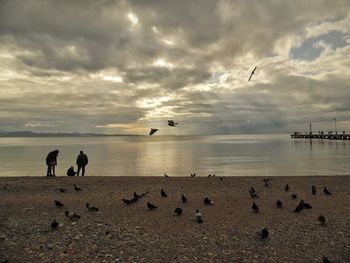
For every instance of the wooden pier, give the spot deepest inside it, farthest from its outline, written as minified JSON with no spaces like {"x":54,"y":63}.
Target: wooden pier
{"x":322,"y":136}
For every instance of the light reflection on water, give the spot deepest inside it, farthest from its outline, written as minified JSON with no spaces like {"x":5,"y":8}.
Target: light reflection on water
{"x":228,"y":155}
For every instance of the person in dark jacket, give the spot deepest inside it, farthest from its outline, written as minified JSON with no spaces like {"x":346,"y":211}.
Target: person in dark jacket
{"x":51,"y":162}
{"x":71,"y":172}
{"x":82,"y":161}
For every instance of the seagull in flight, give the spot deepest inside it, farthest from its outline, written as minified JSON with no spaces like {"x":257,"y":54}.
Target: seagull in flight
{"x":153,"y":131}
{"x":251,"y":74}
{"x":172,"y":123}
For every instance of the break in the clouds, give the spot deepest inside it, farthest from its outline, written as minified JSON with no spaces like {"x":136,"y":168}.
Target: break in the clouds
{"x":126,"y":66}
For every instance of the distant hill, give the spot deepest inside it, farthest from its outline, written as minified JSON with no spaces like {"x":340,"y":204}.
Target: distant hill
{"x":57,"y":134}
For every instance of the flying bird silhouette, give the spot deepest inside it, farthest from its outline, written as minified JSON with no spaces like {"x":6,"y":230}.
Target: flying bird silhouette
{"x":172,"y":123}
{"x":251,"y":74}
{"x":153,"y":131}
{"x":178,"y":211}
{"x":58,"y":203}
{"x":91,"y":208}
{"x":151,"y":206}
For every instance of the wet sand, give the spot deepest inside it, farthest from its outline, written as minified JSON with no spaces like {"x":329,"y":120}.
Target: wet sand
{"x":121,"y":233}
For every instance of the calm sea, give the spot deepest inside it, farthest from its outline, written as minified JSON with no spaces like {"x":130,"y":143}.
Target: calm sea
{"x":229,"y":155}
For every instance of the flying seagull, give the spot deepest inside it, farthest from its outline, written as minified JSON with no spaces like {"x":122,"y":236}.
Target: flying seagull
{"x":251,"y":74}
{"x":153,"y":131}
{"x":172,"y":123}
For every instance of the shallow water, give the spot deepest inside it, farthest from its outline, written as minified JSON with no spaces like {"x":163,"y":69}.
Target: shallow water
{"x":227,"y":155}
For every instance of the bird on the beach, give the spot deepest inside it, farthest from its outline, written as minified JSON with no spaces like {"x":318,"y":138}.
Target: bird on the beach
{"x":307,"y":205}
{"x":163,"y":193}
{"x":151,"y":206}
{"x":58,"y":203}
{"x":251,"y":74}
{"x":294,"y":196}
{"x":326,"y":260}
{"x":165,"y":175}
{"x":286,"y":188}
{"x":213,"y":175}
{"x":72,"y":216}
{"x":255,"y":207}
{"x":279,"y":204}
{"x":209,"y":175}
{"x":221,"y":178}
{"x":172,"y":123}
{"x":263,"y":233}
{"x":313,"y":190}
{"x":198,"y":217}
{"x":136,"y":195}
{"x":322,"y":220}
{"x":91,"y":208}
{"x":266,"y":181}
{"x":183,"y":199}
{"x":153,"y":131}
{"x":178,"y":211}
{"x":77,"y":188}
{"x":252,"y":193}
{"x":300,"y":206}
{"x":61,"y":190}
{"x":54,"y":224}
{"x":326,"y":191}
{"x":193,"y":175}
{"x":207,"y":201}
{"x":126,"y":201}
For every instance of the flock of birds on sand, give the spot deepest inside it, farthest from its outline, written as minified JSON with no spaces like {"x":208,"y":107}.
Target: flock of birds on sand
{"x":198,"y":217}
{"x":172,"y":123}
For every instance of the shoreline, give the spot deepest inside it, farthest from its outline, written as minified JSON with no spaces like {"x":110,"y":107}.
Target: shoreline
{"x":121,"y":233}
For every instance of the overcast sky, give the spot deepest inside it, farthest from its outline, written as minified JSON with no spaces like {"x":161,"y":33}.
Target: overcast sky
{"x":126,"y":66}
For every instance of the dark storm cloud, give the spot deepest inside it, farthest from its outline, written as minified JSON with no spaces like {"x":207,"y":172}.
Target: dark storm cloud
{"x":90,"y":65}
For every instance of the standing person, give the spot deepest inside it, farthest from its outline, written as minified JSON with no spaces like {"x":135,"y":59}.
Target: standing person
{"x":82,"y":161}
{"x":51,"y":162}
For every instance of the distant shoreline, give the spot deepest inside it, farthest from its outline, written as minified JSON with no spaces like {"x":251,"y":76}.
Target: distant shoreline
{"x":60,"y":134}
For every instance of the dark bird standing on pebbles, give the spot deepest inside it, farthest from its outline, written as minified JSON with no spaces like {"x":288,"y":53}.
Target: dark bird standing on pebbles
{"x":286,"y":188}
{"x":301,"y":206}
{"x":255,"y":207}
{"x":326,"y":260}
{"x":62,"y":190}
{"x":294,"y":196}
{"x":207,"y":201}
{"x":136,"y":195}
{"x":263,"y":233}
{"x":279,"y":204}
{"x":178,"y":211}
{"x":183,"y":199}
{"x":198,"y":217}
{"x":252,"y":193}
{"x":91,"y":208}
{"x":58,"y":203}
{"x":251,"y":74}
{"x":77,"y":188}
{"x":127,"y":202}
{"x":326,"y":191}
{"x":322,"y":220}
{"x":54,"y":224}
{"x":163,"y":193}
{"x":151,"y":206}
{"x":313,"y":190}
{"x":72,"y":216}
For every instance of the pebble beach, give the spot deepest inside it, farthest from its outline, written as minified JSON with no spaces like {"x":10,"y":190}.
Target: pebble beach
{"x":132,"y":233}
